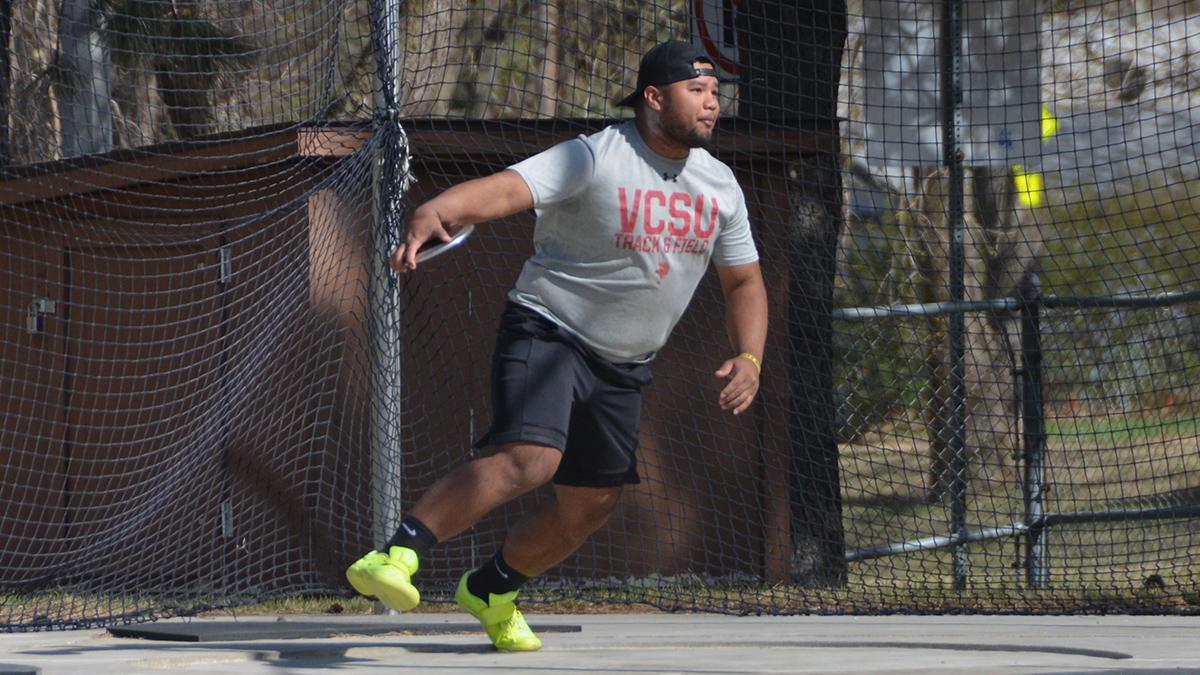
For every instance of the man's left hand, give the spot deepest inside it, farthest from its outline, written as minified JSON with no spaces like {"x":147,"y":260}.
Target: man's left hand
{"x":742,"y":386}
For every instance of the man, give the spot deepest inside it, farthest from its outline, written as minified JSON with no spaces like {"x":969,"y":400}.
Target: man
{"x":627,"y":222}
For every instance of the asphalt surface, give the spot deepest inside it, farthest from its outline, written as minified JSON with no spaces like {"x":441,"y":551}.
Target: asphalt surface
{"x":625,"y":643}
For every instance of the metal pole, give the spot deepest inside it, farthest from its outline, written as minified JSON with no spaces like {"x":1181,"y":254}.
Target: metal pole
{"x":1140,"y":300}
{"x":1033,"y":435}
{"x":388,"y":175}
{"x":951,"y":100}
{"x":385,"y":387}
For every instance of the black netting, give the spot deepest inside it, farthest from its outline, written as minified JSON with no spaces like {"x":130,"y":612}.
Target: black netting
{"x":979,"y":388}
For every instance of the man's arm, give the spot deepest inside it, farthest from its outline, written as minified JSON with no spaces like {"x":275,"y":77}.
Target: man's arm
{"x":496,"y":196}
{"x":746,"y":322}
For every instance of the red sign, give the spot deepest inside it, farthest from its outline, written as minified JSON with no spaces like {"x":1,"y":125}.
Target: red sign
{"x":713,"y":30}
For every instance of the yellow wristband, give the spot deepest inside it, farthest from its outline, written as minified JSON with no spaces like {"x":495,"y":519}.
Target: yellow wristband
{"x":752,"y":359}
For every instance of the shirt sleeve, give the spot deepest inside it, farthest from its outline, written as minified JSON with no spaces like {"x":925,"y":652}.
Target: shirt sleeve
{"x":558,"y":173}
{"x":735,"y":244}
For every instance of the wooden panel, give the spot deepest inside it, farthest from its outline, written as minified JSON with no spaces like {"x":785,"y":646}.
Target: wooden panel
{"x":174,"y":208}
{"x":165,"y":162}
{"x":269,"y":427}
{"x":766,"y":189}
{"x":267,"y":407}
{"x":300,"y":438}
{"x":31,"y":398}
{"x":340,"y":244}
{"x":143,"y":448}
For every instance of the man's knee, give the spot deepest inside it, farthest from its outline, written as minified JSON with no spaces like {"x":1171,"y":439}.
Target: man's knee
{"x":527,"y":466}
{"x":586,"y":509}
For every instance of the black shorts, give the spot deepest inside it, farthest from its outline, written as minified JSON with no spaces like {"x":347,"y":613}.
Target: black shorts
{"x":549,"y":389}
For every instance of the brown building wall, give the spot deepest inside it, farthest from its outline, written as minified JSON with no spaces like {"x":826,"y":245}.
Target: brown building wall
{"x":207,"y":429}
{"x":176,"y":424}
{"x":31,"y":406}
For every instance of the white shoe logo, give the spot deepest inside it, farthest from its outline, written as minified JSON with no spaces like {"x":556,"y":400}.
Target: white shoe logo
{"x":500,"y":571}
{"x":411,"y":532}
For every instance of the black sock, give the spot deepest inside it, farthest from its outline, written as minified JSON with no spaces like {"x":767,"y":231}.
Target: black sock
{"x":494,"y":577}
{"x":413,"y":534}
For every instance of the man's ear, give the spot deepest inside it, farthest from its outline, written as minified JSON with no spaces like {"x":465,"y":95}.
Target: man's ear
{"x":652,"y":98}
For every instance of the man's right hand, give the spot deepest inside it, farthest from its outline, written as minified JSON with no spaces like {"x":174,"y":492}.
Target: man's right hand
{"x":424,"y":224}
{"x":496,"y":196}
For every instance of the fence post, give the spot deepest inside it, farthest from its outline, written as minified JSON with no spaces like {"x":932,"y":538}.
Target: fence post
{"x":1033,"y":435}
{"x":389,"y":178}
{"x":952,"y":122}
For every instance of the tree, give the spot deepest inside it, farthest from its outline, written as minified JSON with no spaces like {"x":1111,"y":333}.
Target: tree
{"x":1002,"y":246}
{"x":5,"y":83}
{"x":189,"y":55}
{"x":82,"y":79}
{"x":159,"y":45}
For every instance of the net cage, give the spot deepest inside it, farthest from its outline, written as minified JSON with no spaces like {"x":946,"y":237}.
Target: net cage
{"x":976,"y":222}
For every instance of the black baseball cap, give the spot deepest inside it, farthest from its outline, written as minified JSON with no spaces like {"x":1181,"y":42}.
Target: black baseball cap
{"x":670,"y":62}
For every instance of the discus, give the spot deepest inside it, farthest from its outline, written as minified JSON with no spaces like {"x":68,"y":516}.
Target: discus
{"x":430,"y":252}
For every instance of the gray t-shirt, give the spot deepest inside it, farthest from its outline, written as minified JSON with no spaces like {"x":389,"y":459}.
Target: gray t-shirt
{"x":623,"y":237}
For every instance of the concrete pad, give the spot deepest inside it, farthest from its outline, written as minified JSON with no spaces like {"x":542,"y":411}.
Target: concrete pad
{"x":652,"y":643}
{"x":293,"y":629}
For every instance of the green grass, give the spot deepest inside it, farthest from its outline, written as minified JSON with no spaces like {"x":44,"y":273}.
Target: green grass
{"x":1124,"y":429}
{"x":1093,"y":463}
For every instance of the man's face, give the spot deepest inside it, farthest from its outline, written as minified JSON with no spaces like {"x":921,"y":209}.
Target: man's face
{"x":689,"y":109}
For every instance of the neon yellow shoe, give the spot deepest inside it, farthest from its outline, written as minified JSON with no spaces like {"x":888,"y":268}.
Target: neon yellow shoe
{"x":387,"y":577}
{"x":501,"y":619}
